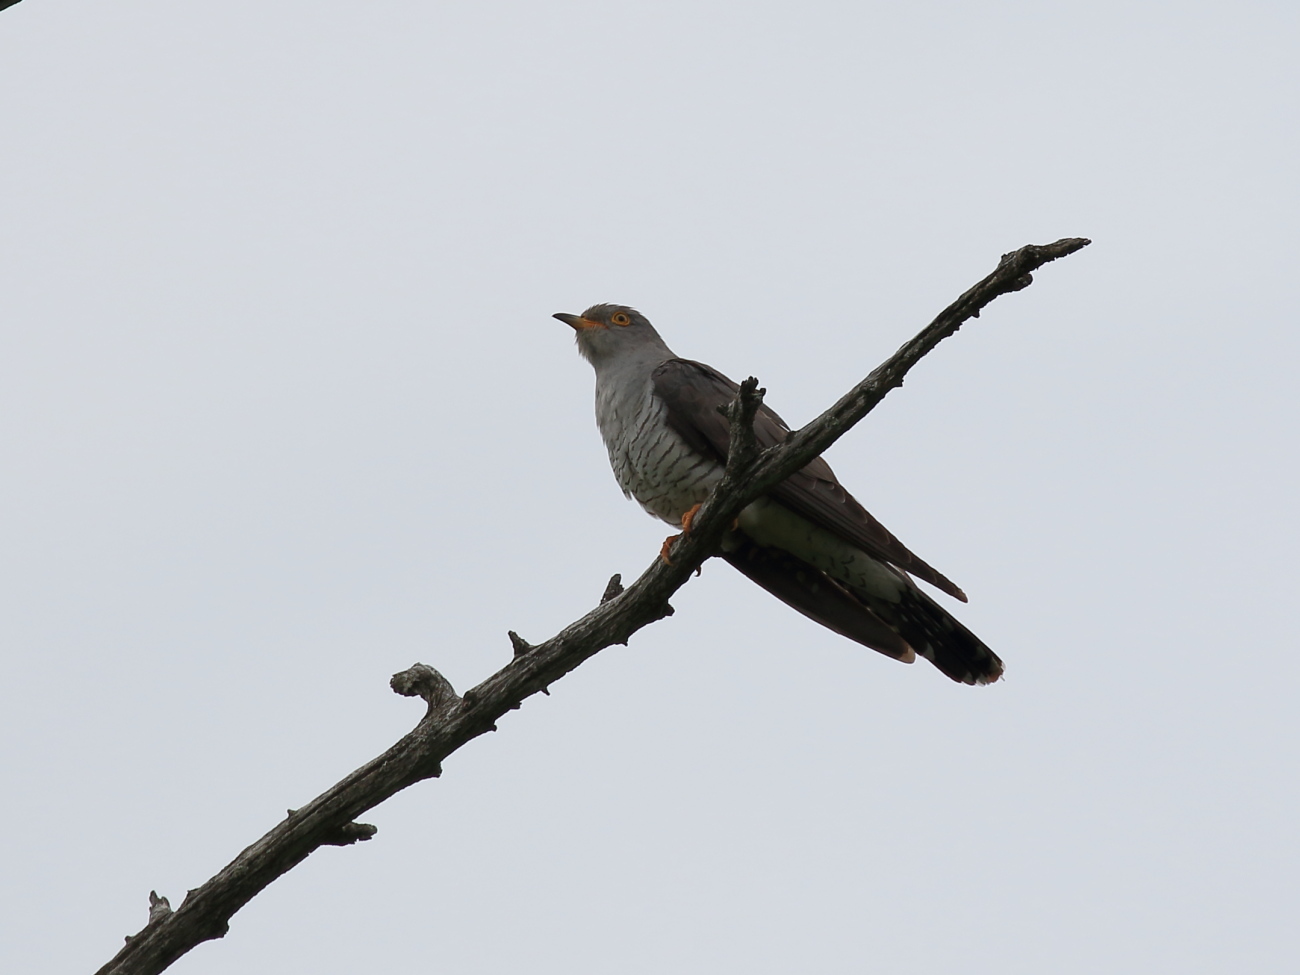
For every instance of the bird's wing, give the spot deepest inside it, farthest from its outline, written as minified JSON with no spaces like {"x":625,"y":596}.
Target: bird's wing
{"x":692,"y":392}
{"x":819,"y":597}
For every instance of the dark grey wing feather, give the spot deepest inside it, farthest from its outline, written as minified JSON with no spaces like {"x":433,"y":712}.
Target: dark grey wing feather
{"x":693,"y":392}
{"x":816,"y":595}
{"x":913,"y":624}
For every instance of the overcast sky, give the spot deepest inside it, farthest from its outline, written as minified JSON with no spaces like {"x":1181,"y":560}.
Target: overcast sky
{"x":283,"y":410}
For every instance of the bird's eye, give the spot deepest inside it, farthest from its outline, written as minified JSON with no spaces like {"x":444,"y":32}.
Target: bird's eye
{"x":620,"y":318}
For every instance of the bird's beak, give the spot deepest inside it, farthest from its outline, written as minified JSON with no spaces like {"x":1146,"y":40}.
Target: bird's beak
{"x":577,"y":321}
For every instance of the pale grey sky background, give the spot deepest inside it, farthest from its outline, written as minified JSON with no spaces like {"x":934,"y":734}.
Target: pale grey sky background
{"x":282,"y":410}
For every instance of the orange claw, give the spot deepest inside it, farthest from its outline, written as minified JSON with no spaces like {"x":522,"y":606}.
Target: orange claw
{"x":689,"y":517}
{"x":686,"y":527}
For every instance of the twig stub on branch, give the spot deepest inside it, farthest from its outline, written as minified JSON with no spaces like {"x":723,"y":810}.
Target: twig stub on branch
{"x":421,"y":680}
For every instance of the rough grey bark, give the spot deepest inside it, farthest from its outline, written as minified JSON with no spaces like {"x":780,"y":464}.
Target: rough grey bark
{"x":452,"y":720}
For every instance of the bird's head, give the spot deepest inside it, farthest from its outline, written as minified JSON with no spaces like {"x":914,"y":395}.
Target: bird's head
{"x":607,"y":333}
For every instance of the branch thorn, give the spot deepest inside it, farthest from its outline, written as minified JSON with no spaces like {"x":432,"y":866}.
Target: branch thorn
{"x":613,"y":588}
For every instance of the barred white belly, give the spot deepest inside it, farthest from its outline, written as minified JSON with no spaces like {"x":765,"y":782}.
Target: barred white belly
{"x":650,"y":461}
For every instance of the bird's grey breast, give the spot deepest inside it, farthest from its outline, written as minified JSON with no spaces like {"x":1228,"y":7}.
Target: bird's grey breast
{"x":651,"y":461}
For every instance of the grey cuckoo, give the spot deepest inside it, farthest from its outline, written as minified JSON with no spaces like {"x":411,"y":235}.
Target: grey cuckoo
{"x":808,"y":542}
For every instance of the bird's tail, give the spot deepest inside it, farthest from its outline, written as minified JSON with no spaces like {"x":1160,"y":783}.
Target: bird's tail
{"x":938,"y":636}
{"x":914,"y":624}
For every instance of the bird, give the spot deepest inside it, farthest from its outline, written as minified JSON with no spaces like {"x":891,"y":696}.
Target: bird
{"x":808,"y":541}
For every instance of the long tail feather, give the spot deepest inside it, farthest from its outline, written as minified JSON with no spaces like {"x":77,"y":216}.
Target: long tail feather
{"x":914,"y":624}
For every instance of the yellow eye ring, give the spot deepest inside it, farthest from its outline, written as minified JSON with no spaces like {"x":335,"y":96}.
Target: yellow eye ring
{"x":620,"y":318}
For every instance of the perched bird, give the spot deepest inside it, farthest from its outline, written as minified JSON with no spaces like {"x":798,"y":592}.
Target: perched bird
{"x":808,"y":542}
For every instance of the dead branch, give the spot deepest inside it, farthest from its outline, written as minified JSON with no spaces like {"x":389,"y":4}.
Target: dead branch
{"x":451,"y":720}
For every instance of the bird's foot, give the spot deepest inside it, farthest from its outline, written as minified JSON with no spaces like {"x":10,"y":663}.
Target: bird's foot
{"x":689,"y":517}
{"x":686,"y":530}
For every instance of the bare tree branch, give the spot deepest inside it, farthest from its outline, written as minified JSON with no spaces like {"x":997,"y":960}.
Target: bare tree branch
{"x":453,"y":720}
